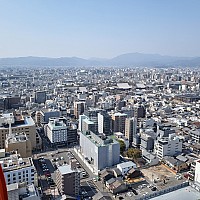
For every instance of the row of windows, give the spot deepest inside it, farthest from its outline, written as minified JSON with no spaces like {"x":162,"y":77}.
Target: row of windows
{"x":14,"y":129}
{"x":19,"y":173}
{"x":22,"y":180}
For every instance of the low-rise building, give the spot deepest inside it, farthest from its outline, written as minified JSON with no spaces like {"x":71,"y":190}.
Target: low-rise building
{"x":19,"y":142}
{"x":126,"y":166}
{"x":18,"y":170}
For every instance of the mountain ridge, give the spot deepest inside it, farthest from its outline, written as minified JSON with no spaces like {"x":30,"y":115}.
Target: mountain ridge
{"x":127,"y":60}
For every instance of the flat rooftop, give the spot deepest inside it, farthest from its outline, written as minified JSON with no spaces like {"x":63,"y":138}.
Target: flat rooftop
{"x":14,"y":162}
{"x":65,"y":169}
{"x":99,"y":140}
{"x":183,"y":194}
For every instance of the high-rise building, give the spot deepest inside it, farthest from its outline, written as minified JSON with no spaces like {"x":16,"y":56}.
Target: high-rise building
{"x":197,"y":172}
{"x":79,"y":108}
{"x":68,"y":181}
{"x":12,"y":102}
{"x":101,"y":151}
{"x":168,"y":146}
{"x":140,"y":111}
{"x":59,"y":131}
{"x":104,"y":123}
{"x":40,"y":97}
{"x":118,"y":122}
{"x":130,"y":129}
{"x":19,"y":123}
{"x":42,"y":116}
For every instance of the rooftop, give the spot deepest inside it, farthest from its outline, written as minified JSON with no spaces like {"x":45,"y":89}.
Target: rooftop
{"x":99,"y":140}
{"x":183,"y":194}
{"x":127,"y":164}
{"x":65,"y":169}
{"x":14,"y":162}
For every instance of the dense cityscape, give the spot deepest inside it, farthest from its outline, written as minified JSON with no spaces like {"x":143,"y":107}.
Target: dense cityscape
{"x":100,"y":133}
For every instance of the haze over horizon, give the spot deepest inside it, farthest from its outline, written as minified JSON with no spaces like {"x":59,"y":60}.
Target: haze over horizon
{"x":100,"y":29}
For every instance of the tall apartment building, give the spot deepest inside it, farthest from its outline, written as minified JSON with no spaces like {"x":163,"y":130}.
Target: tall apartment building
{"x":18,"y":170}
{"x":58,"y":130}
{"x":130,"y":129}
{"x":42,"y":116}
{"x":197,"y":173}
{"x":147,"y":142}
{"x":168,"y":146}
{"x":118,"y":122}
{"x":92,"y":115}
{"x":19,"y":123}
{"x":104,"y":123}
{"x":139,"y":111}
{"x":88,"y":125}
{"x":79,"y":108}
{"x":100,"y":151}
{"x":68,"y":180}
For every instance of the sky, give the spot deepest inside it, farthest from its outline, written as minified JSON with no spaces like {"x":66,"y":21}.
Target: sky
{"x":99,"y":28}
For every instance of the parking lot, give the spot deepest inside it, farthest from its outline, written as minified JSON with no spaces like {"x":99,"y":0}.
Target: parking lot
{"x":46,"y":165}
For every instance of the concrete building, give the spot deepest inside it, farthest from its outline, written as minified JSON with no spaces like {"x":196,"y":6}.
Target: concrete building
{"x":40,"y":97}
{"x":88,"y":125}
{"x":130,"y":129}
{"x":99,"y":151}
{"x":195,"y":136}
{"x":68,"y":180}
{"x":12,"y":102}
{"x":59,"y":131}
{"x":13,"y":191}
{"x":92,"y":115}
{"x":19,"y":123}
{"x":18,"y":170}
{"x":168,"y":146}
{"x":197,"y":173}
{"x":147,"y":142}
{"x":42,"y":116}
{"x":104,"y":123}
{"x":21,"y":191}
{"x":118,"y":120}
{"x":79,"y":108}
{"x":20,"y":143}
{"x":126,"y":166}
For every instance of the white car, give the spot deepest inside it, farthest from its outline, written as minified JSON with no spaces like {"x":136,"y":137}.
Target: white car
{"x":129,"y":194}
{"x":94,"y":179}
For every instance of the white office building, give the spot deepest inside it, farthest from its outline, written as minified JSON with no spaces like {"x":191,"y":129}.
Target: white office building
{"x":59,"y":131}
{"x":18,"y":170}
{"x":168,"y":146}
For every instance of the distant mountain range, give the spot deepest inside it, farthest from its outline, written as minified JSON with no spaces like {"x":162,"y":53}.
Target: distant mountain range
{"x":124,"y":60}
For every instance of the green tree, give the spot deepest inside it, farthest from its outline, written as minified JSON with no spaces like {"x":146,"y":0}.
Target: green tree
{"x":134,"y":153}
{"x":122,"y":146}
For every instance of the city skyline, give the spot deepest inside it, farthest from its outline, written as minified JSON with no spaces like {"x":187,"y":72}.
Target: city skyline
{"x":101,"y":29}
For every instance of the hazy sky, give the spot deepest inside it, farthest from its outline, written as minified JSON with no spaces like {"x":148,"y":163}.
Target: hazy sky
{"x":99,"y":28}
